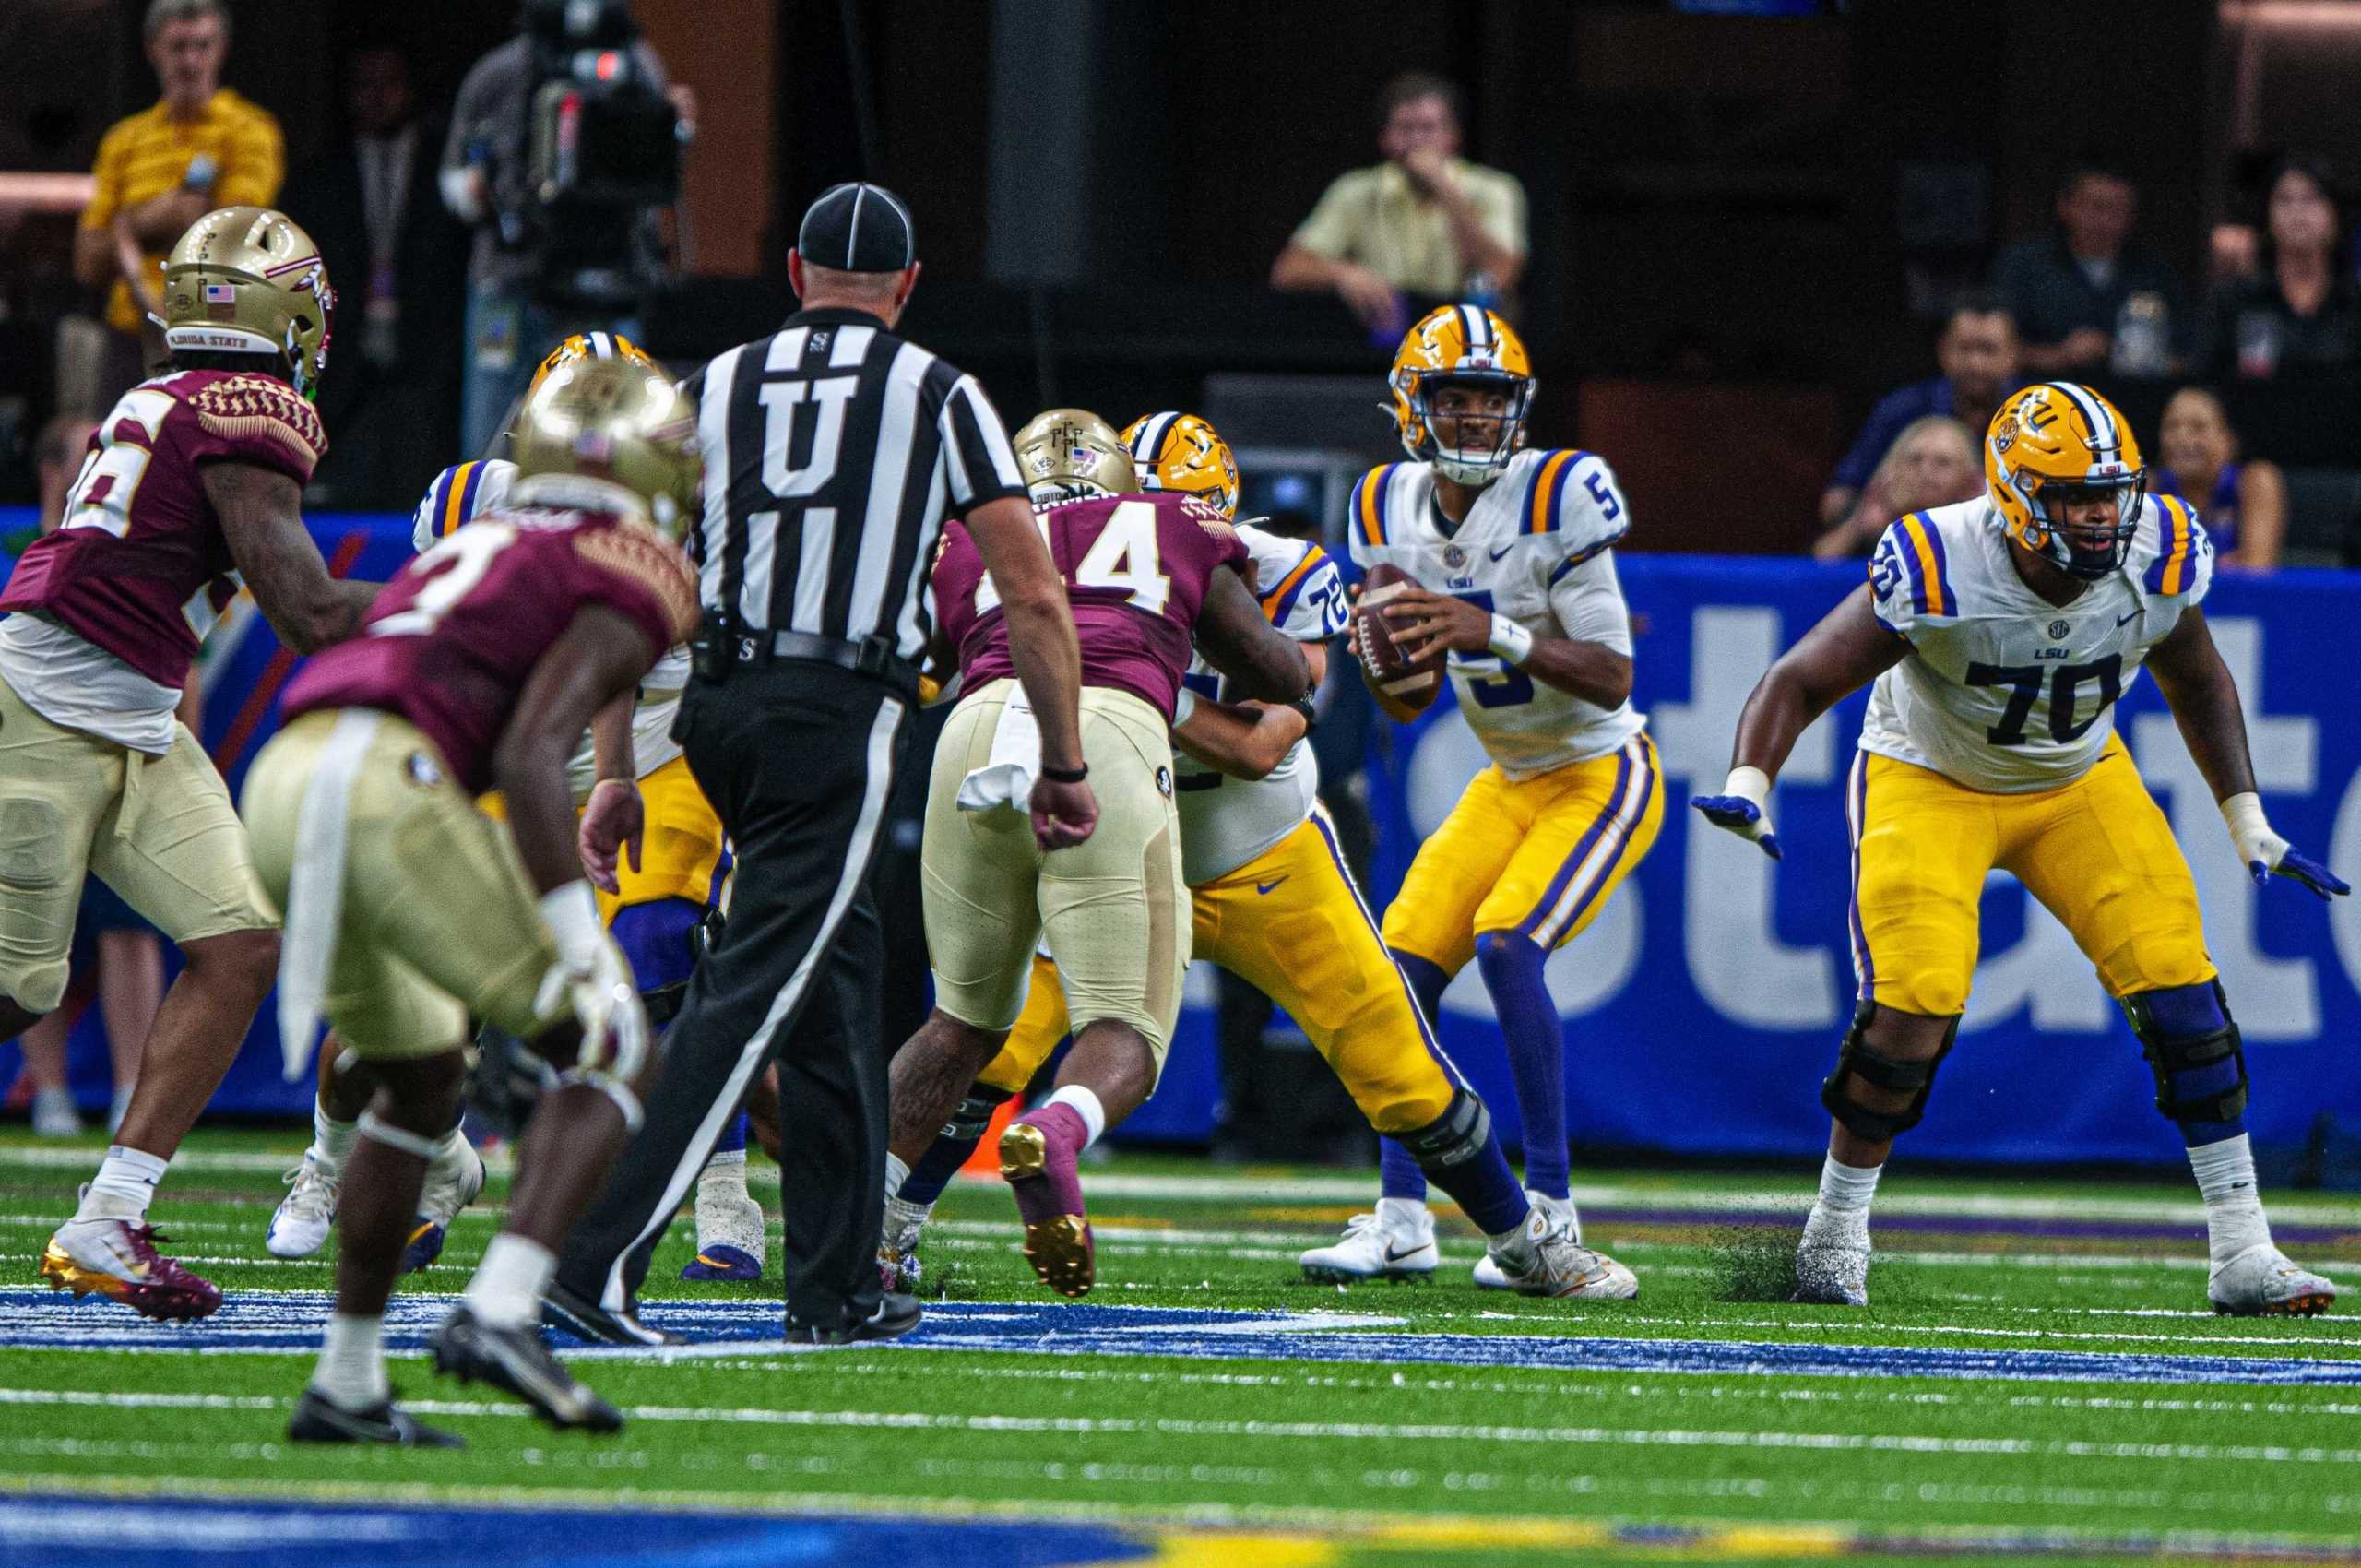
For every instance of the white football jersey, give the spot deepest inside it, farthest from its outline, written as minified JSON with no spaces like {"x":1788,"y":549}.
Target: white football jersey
{"x":2002,"y":690}
{"x":467,"y":490}
{"x":1537,"y":547}
{"x":1227,"y":822}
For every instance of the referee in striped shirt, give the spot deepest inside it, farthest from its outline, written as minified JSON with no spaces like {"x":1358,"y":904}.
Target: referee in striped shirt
{"x":834,"y":453}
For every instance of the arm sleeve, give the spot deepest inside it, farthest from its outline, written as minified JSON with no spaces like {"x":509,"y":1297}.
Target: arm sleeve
{"x":106,"y":178}
{"x":1587,"y":598}
{"x":1329,"y":231}
{"x":257,"y":164}
{"x":975,"y":446}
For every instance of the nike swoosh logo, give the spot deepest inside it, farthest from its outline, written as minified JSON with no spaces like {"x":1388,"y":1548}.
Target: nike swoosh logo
{"x":1392,"y":1256}
{"x":1267,"y":886}
{"x":1503,"y":550}
{"x":2126,"y":620}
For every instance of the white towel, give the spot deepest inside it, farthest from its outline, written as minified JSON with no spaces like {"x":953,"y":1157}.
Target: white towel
{"x":1006,"y":779}
{"x":315,"y":887}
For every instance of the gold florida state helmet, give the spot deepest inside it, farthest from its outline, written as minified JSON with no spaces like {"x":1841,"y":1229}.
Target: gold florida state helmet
{"x":247,"y":280}
{"x":1073,"y":455}
{"x":619,"y":423}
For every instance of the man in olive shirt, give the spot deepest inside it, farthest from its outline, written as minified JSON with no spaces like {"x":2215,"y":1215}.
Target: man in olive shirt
{"x":1425,"y":221}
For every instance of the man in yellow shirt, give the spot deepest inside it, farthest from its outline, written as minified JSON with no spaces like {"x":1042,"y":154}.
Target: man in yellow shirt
{"x":1425,"y":221}
{"x":199,"y":148}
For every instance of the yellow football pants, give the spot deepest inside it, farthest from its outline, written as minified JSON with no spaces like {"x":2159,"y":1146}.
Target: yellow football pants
{"x":683,"y":853}
{"x":1540,"y":856}
{"x":1290,"y":923}
{"x":2097,"y":853}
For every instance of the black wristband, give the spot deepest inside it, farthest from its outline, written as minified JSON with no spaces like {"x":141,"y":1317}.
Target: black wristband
{"x":1303,"y":705}
{"x":1065,"y":775}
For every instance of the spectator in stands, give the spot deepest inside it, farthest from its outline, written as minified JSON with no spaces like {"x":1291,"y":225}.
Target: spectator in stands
{"x":2072,"y":289}
{"x":399,"y":259}
{"x":198,"y":148}
{"x":2299,"y":314}
{"x":1424,"y":222}
{"x":2242,"y":504}
{"x":1933,"y":462}
{"x":1977,"y":356}
{"x":127,"y":951}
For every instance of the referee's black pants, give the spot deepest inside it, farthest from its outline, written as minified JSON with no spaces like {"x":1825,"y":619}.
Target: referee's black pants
{"x":798,"y":760}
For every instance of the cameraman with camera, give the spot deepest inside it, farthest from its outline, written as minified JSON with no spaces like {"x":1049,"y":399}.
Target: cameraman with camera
{"x":564,"y":143}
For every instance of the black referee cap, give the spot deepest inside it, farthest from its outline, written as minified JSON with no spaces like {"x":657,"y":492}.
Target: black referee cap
{"x":858,"y":227}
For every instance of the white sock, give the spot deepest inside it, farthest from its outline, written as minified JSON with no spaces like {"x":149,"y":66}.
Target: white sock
{"x":507,"y":1288}
{"x":1841,"y":1216}
{"x":896,"y":1174}
{"x":331,"y":1141}
{"x":727,"y":1170}
{"x":125,"y":1182}
{"x":351,"y":1372}
{"x":1402,"y":1214}
{"x":2234,"y":1220}
{"x":1514,"y":1245}
{"x":450,"y":1141}
{"x":1085,"y":1105}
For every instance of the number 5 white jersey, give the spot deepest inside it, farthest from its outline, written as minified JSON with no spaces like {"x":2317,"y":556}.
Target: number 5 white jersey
{"x":2002,"y":690}
{"x":1227,"y":822}
{"x":1537,"y":547}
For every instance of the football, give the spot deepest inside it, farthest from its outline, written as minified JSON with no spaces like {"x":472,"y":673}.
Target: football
{"x":1412,"y":683}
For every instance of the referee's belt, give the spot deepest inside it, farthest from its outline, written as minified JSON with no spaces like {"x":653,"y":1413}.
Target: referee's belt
{"x":871,"y":655}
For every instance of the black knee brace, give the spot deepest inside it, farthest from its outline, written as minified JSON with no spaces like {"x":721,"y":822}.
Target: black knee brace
{"x":974,"y":1117}
{"x":506,"y":1080}
{"x":1457,"y":1136}
{"x":2169,"y":1055}
{"x":1857,"y":1059}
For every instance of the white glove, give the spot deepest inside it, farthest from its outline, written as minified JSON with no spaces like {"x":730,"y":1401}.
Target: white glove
{"x":592,"y":974}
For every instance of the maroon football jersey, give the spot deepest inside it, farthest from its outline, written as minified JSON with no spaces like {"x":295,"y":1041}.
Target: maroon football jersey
{"x":1137,"y":568}
{"x":139,"y":565}
{"x":450,"y":642}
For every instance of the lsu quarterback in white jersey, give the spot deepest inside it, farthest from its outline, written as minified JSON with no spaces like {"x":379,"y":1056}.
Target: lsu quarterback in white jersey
{"x":1271,"y":901}
{"x":1512,"y":552}
{"x":2001,"y":632}
{"x":653,"y":908}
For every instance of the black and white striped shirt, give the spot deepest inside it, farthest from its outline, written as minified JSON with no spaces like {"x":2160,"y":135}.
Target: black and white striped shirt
{"x":834,"y":451}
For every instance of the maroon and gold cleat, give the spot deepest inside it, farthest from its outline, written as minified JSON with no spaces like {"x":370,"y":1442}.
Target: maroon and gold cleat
{"x":1037,"y":1156}
{"x":119,"y":1259}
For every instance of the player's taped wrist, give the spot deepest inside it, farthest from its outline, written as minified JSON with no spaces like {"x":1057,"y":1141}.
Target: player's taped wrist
{"x":1511,"y":644}
{"x":1749,"y":784}
{"x":2251,"y":831}
{"x":572,"y":914}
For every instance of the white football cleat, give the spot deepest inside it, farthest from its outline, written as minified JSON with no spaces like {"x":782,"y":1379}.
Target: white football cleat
{"x":307,"y":1213}
{"x":898,"y":1245}
{"x":1383,"y":1245}
{"x":1831,"y":1273}
{"x":453,"y":1177}
{"x":2262,"y":1282}
{"x":1558,"y":1212}
{"x":1556,"y":1264}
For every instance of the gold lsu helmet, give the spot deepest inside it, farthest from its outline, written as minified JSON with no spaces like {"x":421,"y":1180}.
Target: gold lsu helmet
{"x":2057,"y":440}
{"x":1460,"y":345}
{"x":619,"y":423}
{"x":1073,"y":455}
{"x":591,"y":346}
{"x":247,"y":280}
{"x":1184,"y":452}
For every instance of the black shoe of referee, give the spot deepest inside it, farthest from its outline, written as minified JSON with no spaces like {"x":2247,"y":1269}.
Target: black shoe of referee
{"x":898,"y":1313}
{"x":319,"y":1420}
{"x":575,"y":1313}
{"x":515,"y":1359}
